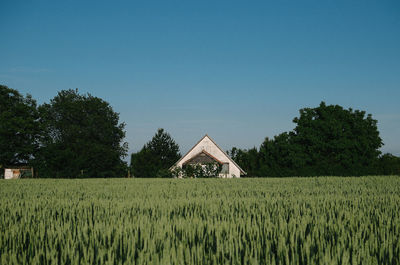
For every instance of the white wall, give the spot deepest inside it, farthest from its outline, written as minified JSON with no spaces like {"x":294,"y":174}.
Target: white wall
{"x":207,"y":145}
{"x":8,"y":174}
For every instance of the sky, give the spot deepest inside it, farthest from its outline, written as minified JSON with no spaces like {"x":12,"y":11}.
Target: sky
{"x":238,"y":71}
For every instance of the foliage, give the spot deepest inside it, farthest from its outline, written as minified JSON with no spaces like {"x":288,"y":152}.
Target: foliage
{"x":388,"y":164}
{"x":336,"y":141}
{"x":247,"y":159}
{"x":18,"y":127}
{"x":327,"y":140}
{"x":201,"y":221}
{"x":280,"y":157}
{"x":81,"y":137}
{"x":209,"y":170}
{"x":156,"y":157}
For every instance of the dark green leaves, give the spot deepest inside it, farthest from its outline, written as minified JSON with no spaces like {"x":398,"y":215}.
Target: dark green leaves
{"x":18,"y":127}
{"x":336,"y":141}
{"x":156,"y":157}
{"x":82,"y":137}
{"x":327,"y":140}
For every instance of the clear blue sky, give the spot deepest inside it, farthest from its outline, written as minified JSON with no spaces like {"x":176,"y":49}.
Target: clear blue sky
{"x":237,"y":70}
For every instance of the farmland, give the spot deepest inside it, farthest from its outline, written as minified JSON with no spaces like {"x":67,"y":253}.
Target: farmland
{"x":326,"y":220}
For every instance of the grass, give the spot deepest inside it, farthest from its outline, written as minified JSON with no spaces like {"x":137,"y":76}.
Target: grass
{"x":325,"y":220}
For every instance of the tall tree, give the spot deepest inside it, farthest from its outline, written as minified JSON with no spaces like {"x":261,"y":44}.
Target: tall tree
{"x":327,"y":140}
{"x":248,"y":159}
{"x":156,"y":157}
{"x":336,"y":141}
{"x":82,"y":137}
{"x":18,"y":127}
{"x":279,"y":157}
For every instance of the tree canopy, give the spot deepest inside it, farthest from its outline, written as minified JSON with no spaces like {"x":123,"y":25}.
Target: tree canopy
{"x":156,"y":156}
{"x":388,"y":164}
{"x":78,"y":135}
{"x":18,"y":127}
{"x":327,"y":140}
{"x":81,"y":136}
{"x":336,"y":141}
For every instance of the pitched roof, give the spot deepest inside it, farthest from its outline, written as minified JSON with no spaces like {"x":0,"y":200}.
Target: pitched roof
{"x":230,"y":159}
{"x":203,"y":152}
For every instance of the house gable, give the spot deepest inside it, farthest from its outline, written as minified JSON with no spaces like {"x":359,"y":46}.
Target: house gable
{"x":202,"y":158}
{"x":207,"y":146}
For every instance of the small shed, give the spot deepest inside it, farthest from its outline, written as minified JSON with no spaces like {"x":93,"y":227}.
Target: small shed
{"x":16,"y":172}
{"x":207,"y":151}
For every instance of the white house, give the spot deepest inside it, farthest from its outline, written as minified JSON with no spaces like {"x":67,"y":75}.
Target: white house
{"x":207,"y":151}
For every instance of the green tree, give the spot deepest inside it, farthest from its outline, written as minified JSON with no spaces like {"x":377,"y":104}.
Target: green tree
{"x":327,"y":140}
{"x":279,"y":157}
{"x":82,"y":137}
{"x":336,"y":141}
{"x":209,"y":170}
{"x":247,"y":159}
{"x":19,"y":128}
{"x":156,"y":157}
{"x":388,"y":164}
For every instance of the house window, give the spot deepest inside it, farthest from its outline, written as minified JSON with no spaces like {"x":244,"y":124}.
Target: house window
{"x":225,"y":168}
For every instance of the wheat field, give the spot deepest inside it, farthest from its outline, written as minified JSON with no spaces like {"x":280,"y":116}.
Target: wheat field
{"x":324,"y":220}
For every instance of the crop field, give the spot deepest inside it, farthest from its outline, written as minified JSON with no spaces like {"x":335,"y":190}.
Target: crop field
{"x":326,"y":220}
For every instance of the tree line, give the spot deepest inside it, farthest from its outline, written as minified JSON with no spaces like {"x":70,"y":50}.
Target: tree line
{"x":327,"y":140}
{"x":72,"y":136}
{"x":77,"y":135}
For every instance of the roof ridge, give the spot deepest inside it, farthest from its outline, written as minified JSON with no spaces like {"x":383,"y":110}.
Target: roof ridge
{"x":189,"y":151}
{"x":244,"y":172}
{"x":207,"y":154}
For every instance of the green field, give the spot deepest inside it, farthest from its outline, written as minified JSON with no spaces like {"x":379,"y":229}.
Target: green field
{"x":324,"y":220}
